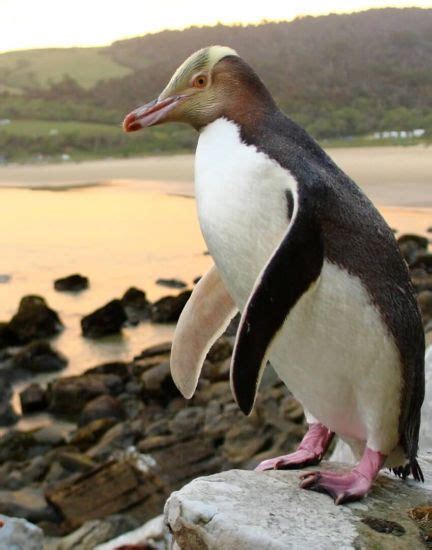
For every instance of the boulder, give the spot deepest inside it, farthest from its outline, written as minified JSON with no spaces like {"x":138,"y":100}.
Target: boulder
{"x":136,"y":305}
{"x":245,"y":509}
{"x":34,"y":320}
{"x":39,"y":356}
{"x":19,"y":534}
{"x":7,"y":413}
{"x":171,"y":283}
{"x":104,"y":406}
{"x":105,"y":321}
{"x":71,"y":283}
{"x":68,"y":395}
{"x":169,"y":308}
{"x":33,"y":399}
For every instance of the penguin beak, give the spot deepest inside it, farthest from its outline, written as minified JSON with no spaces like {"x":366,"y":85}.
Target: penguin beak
{"x":150,"y":114}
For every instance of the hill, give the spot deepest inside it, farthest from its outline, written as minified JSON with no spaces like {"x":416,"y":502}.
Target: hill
{"x":337,"y":75}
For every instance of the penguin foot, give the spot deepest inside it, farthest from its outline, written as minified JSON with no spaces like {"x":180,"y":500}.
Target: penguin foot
{"x":349,"y":486}
{"x":309,"y":453}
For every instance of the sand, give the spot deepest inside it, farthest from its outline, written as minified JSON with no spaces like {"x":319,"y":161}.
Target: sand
{"x":391,"y":176}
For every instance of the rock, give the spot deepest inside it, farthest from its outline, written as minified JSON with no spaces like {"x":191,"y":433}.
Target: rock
{"x":68,"y":395}
{"x":39,"y":356}
{"x":5,"y":278}
{"x":423,"y":261}
{"x":168,"y":309}
{"x":109,"y":489}
{"x":136,"y":305}
{"x":34,"y":320}
{"x":7,"y":337}
{"x":122,"y":370}
{"x":188,"y":422}
{"x":120,"y":436}
{"x":33,"y":399}
{"x":424,"y":300}
{"x":89,"y":434}
{"x":105,"y":321}
{"x":425,"y":439}
{"x":153,"y":535}
{"x":75,"y":462}
{"x":221,"y":350}
{"x":159,"y":349}
{"x":245,"y":509}
{"x":411,"y":245}
{"x":92,"y":533}
{"x":157,"y":381}
{"x":104,"y":406}
{"x":7,"y":413}
{"x":16,"y":445}
{"x":50,"y":436}
{"x":171,"y":283}
{"x":19,"y":534}
{"x":73,"y":283}
{"x":26,"y":503}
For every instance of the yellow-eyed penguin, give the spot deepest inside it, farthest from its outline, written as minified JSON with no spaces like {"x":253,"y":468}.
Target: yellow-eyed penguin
{"x":313,"y":268}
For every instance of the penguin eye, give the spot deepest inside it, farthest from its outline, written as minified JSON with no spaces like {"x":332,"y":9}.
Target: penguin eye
{"x":200,"y":81}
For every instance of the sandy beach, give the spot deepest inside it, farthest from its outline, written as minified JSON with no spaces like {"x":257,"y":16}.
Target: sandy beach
{"x":391,"y":176}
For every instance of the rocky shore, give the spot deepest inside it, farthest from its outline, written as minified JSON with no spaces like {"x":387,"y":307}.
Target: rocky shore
{"x":135,"y":439}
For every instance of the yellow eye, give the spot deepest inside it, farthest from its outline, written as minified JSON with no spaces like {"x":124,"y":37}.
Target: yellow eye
{"x":200,"y":81}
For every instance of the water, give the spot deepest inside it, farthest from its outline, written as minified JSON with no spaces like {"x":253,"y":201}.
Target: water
{"x":118,"y":235}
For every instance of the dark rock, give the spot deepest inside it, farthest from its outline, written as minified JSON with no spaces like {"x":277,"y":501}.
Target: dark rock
{"x":423,"y":261}
{"x":136,"y":305}
{"x":157,"y":381}
{"x":168,"y":309}
{"x":7,"y":414}
{"x":76,"y":462}
{"x":424,"y":300}
{"x":72,"y":283}
{"x":106,"y":320}
{"x":197,"y":279}
{"x":421,"y":279}
{"x":38,"y":357}
{"x":7,"y":337}
{"x":33,"y":399}
{"x":104,"y":406}
{"x":68,"y":395}
{"x":16,"y":445}
{"x":384,"y":526}
{"x":27,"y":503}
{"x":221,"y":350}
{"x":411,"y":245}
{"x":233,"y":326}
{"x":120,"y":369}
{"x":159,"y":349}
{"x":34,"y":320}
{"x":90,"y":434}
{"x":429,"y":229}
{"x":171,"y":283}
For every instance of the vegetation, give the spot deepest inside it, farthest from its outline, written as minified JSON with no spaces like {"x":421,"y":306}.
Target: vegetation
{"x":342,"y":77}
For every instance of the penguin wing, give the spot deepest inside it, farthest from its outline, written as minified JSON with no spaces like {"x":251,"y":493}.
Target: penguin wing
{"x":204,"y":318}
{"x":294,"y":265}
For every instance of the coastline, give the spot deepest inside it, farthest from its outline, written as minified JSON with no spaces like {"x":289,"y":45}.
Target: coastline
{"x":390,"y":176}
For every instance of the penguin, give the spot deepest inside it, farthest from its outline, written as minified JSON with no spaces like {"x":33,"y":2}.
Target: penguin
{"x":313,"y":268}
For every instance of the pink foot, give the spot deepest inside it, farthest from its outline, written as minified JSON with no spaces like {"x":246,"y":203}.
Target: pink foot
{"x":309,"y":453}
{"x":346,"y":487}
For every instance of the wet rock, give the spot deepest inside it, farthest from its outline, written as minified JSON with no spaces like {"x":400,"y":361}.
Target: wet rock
{"x":159,"y":349}
{"x":7,"y":413}
{"x":89,"y":434}
{"x":424,"y":300}
{"x":33,"y":399}
{"x":136,"y":305}
{"x":104,"y":406}
{"x":72,"y":283}
{"x":169,"y":308}
{"x":38,"y":357}
{"x":105,"y":321}
{"x":34,"y":320}
{"x":27,"y":503}
{"x":246,"y":509}
{"x":68,"y":395}
{"x":171,"y":283}
{"x":19,"y":534}
{"x":410,"y":245}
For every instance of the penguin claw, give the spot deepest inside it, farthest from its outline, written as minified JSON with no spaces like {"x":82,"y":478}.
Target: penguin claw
{"x":342,"y":487}
{"x":298,"y":459}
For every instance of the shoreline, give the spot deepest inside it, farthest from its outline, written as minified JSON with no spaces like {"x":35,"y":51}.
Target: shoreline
{"x":396,"y":176}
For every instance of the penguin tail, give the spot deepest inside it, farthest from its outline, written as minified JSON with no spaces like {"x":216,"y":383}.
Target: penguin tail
{"x":412,"y":467}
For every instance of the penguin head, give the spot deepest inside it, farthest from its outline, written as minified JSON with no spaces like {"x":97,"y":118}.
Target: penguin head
{"x":211,"y":83}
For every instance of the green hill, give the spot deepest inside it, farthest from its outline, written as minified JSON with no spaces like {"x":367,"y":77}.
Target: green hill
{"x":340,"y":76}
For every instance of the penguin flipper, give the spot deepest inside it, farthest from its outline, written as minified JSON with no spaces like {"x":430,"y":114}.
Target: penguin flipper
{"x":204,"y":318}
{"x":295,"y":264}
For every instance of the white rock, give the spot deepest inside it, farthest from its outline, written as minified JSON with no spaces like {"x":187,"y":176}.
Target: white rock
{"x":19,"y":534}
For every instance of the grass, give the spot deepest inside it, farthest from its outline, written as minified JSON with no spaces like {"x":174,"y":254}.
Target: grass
{"x":41,"y":67}
{"x":41,"y":128}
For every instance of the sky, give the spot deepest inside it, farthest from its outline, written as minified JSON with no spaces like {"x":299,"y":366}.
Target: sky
{"x":59,"y":23}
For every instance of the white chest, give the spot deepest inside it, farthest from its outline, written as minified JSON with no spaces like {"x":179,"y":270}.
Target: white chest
{"x":242,"y":205}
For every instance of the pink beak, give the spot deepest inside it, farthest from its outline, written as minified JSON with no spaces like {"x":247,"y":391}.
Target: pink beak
{"x":149,"y":114}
